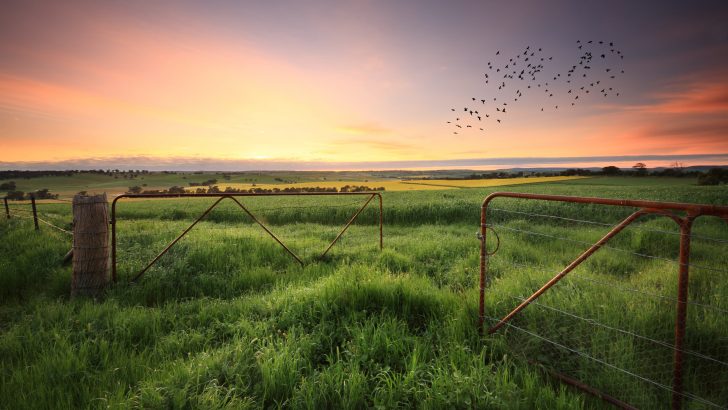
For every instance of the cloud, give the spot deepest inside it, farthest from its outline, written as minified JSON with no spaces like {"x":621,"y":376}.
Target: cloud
{"x":706,"y":93}
{"x":711,"y":98}
{"x":215,"y":164}
{"x":717,"y":129}
{"x":363,"y":129}
{"x":684,"y":136}
{"x":376,"y":144}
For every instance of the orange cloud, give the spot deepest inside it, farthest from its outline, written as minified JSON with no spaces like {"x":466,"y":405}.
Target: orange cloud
{"x":705,"y":95}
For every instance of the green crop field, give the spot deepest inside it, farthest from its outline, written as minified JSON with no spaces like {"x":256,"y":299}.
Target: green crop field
{"x":118,"y":183}
{"x":228,"y":319}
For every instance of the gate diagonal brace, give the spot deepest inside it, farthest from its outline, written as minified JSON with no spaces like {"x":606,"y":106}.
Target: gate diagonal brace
{"x":351,"y":220}
{"x":221,"y":197}
{"x":576,"y":262}
{"x":169,"y":246}
{"x":267,"y":230}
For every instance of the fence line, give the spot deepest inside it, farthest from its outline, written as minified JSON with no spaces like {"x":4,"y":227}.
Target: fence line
{"x":576,"y":276}
{"x":34,"y":215}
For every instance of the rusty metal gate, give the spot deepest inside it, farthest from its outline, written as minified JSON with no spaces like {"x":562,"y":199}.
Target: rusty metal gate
{"x":233,"y":197}
{"x":683,"y":215}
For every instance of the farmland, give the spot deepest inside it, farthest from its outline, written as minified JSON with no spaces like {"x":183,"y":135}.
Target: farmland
{"x":227,"y":319}
{"x":118,"y":183}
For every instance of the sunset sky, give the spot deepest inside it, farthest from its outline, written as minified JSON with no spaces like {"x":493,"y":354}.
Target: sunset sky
{"x":348,"y":84}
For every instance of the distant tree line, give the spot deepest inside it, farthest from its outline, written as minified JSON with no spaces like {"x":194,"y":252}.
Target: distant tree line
{"x":13,"y":194}
{"x":16,"y":174}
{"x":8,"y":186}
{"x":209,"y":182}
{"x":257,"y":190}
{"x":714,"y":176}
{"x":34,"y":174}
{"x":39,"y":194}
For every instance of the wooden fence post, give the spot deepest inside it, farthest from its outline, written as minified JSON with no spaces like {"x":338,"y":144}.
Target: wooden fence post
{"x":7,"y":209}
{"x":35,"y":212}
{"x":90,"y":245}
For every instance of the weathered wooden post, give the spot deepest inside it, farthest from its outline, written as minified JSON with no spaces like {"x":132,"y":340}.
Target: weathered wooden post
{"x":7,"y":208}
{"x":90,"y":245}
{"x":35,"y":212}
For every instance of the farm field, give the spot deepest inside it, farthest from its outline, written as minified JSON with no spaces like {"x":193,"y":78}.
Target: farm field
{"x":118,"y":183}
{"x":67,"y":186}
{"x":410,"y":185}
{"x":227,"y":319}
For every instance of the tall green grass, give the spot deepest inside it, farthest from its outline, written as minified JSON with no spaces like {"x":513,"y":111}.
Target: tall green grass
{"x":227,"y":319}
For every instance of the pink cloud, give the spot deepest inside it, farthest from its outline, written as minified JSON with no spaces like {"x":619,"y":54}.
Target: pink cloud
{"x":706,"y":93}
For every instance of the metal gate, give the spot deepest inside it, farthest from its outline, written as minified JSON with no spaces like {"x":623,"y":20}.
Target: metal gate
{"x":233,"y":197}
{"x":682,"y":214}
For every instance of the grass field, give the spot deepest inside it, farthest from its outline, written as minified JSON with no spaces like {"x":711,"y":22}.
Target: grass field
{"x":116,"y":184}
{"x":227,"y":319}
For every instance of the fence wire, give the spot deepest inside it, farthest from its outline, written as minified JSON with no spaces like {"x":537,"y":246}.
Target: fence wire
{"x":610,"y":322}
{"x":51,"y":217}
{"x":584,"y":221}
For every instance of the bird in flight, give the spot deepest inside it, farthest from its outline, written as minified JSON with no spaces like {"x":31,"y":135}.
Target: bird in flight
{"x":593,"y":59}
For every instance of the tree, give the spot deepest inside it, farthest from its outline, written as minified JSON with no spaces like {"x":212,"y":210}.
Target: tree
{"x":8,"y":186}
{"x":611,"y":170}
{"x":640,"y":168}
{"x":44,"y":194}
{"x":714,"y":176}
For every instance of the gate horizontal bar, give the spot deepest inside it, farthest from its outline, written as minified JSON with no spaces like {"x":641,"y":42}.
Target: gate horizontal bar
{"x":698,"y":209}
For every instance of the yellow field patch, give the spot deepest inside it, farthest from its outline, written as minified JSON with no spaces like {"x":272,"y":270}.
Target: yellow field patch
{"x":410,"y":185}
{"x":483,"y":183}
{"x":387,"y":185}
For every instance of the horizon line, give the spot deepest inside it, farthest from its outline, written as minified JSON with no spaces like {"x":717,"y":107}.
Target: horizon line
{"x":191,"y":163}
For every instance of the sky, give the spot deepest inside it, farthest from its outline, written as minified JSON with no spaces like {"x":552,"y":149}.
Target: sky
{"x":351,"y":84}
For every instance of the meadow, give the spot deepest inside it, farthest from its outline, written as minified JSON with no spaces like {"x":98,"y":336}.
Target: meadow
{"x":118,"y":183}
{"x":229,"y":320}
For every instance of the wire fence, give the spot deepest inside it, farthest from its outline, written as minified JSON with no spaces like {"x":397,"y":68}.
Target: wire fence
{"x":54,"y":214}
{"x":610,"y":323}
{"x":147,"y":225}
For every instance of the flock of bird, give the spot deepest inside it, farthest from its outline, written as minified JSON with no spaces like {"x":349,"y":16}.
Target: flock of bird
{"x":529,"y":71}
